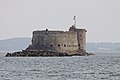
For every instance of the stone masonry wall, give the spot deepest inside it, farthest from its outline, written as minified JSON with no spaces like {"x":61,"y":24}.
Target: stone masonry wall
{"x":81,"y":36}
{"x":58,"y":41}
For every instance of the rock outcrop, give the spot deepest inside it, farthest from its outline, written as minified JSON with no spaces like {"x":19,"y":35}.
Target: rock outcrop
{"x":41,"y":53}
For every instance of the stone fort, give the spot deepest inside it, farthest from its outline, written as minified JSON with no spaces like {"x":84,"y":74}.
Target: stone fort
{"x":70,"y":42}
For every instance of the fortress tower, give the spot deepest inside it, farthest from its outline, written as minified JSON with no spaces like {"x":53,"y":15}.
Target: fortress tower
{"x":70,"y":42}
{"x":56,"y":43}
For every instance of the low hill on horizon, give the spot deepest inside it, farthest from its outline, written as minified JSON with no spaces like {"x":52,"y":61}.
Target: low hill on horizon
{"x":18,"y":44}
{"x":14,"y":44}
{"x":103,"y":46}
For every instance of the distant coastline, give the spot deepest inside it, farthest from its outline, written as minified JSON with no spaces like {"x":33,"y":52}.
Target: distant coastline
{"x":21,"y":43}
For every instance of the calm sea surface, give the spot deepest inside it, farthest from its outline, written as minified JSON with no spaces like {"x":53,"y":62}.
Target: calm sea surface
{"x":102,"y":66}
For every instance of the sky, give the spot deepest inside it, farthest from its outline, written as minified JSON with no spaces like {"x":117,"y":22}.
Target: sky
{"x":101,"y":18}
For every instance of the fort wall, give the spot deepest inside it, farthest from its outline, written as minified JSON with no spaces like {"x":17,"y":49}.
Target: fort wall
{"x":58,"y":41}
{"x":81,"y":37}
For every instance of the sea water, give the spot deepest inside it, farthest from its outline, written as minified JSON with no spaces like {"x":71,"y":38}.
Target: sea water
{"x":102,"y":66}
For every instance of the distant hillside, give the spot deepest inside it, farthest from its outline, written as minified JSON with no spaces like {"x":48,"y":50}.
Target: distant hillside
{"x":104,"y":46}
{"x":18,"y":44}
{"x":14,"y":44}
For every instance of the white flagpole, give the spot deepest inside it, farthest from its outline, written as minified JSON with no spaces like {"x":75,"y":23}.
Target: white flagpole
{"x":75,"y":20}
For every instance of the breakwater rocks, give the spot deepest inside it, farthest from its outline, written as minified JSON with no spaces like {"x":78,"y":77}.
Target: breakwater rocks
{"x":25,"y":53}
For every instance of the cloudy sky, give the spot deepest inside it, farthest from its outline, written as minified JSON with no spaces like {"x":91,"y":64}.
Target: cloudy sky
{"x":101,"y":18}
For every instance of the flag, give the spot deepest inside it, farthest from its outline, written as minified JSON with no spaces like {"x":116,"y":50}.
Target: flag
{"x":74,"y":17}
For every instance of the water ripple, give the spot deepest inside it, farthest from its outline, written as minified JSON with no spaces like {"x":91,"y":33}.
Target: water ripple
{"x":60,"y":68}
